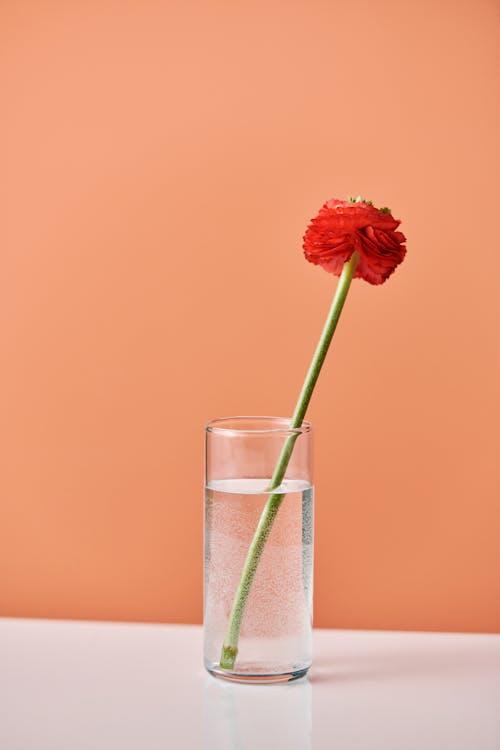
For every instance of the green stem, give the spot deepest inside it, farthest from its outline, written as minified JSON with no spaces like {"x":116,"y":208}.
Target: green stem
{"x":230,"y":645}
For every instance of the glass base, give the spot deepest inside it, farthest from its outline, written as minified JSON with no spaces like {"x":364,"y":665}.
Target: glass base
{"x":255,"y":678}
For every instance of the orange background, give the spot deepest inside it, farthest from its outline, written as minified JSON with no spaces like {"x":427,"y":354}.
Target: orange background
{"x":160,"y":161}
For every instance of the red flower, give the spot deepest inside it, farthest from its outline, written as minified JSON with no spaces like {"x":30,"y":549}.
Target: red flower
{"x":344,"y":227}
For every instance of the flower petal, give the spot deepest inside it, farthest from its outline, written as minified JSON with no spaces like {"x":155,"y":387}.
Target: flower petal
{"x":341,"y":227}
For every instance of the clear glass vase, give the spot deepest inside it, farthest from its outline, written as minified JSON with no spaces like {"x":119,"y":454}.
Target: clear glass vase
{"x":258,"y":550}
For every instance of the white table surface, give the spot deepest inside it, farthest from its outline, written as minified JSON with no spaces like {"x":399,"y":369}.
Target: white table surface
{"x":76,"y":685}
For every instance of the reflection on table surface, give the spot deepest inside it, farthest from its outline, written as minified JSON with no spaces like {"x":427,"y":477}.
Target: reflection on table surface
{"x":247,"y":717}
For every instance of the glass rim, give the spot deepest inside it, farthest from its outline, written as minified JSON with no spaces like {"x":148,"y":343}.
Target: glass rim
{"x":217,"y":426}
